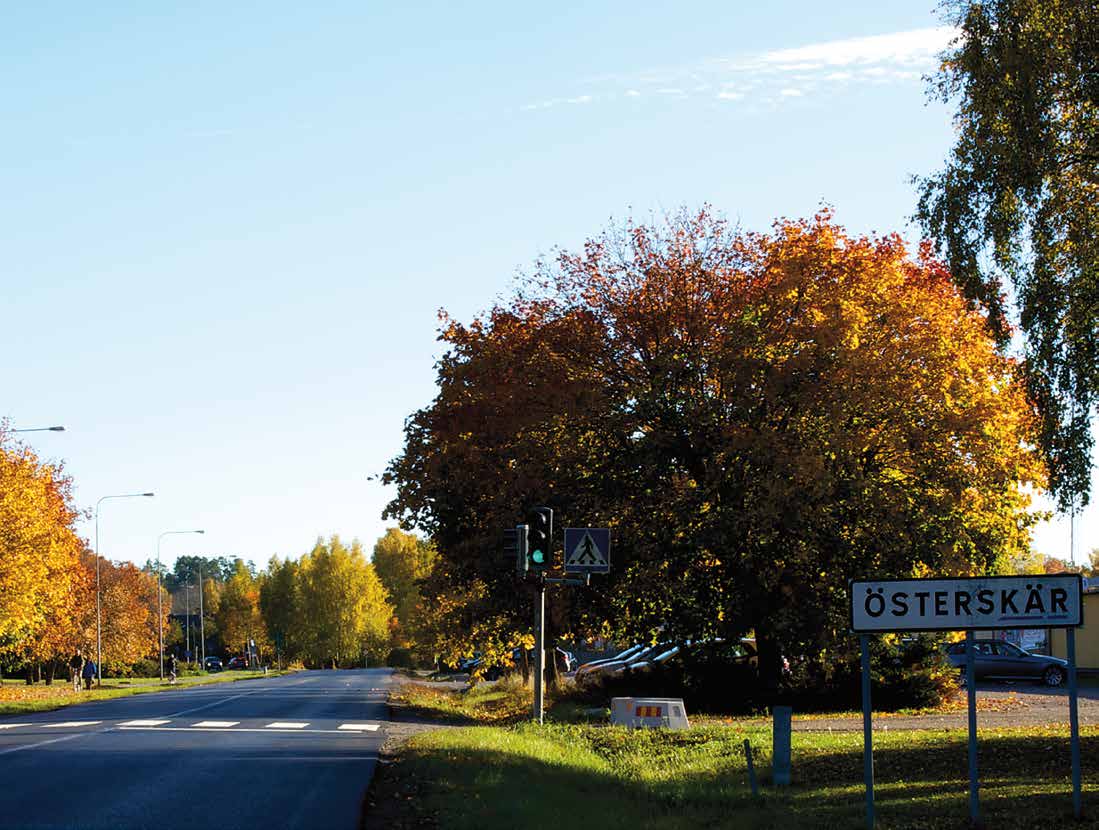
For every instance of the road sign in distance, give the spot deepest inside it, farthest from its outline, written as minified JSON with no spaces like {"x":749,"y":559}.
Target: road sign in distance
{"x":969,"y":603}
{"x":587,"y":550}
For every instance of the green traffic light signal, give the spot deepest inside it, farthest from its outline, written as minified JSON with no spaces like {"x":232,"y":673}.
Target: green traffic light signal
{"x":540,"y":535}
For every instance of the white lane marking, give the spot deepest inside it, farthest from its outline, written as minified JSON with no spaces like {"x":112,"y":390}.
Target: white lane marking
{"x":359,"y":727}
{"x":144,"y":723}
{"x":43,"y":743}
{"x":348,"y":733}
{"x":71,"y":724}
{"x":14,"y":725}
{"x":287,"y":725}
{"x":216,"y":724}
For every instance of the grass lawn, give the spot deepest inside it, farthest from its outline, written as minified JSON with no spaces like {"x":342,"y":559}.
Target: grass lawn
{"x":17,"y":698}
{"x":593,"y":775}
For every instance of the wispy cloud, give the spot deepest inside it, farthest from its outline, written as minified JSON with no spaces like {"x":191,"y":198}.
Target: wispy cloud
{"x":781,"y":74}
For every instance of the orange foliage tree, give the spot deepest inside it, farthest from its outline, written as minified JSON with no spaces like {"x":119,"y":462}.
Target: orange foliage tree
{"x":40,"y":575}
{"x":129,"y":623}
{"x":758,"y":418}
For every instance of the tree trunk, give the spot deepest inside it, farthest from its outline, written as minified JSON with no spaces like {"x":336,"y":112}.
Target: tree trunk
{"x":51,"y":670}
{"x":30,"y":674}
{"x":524,"y":664}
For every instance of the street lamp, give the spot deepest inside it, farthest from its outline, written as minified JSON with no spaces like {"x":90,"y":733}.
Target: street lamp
{"x":159,"y":613}
{"x":98,"y":595}
{"x":41,"y":429}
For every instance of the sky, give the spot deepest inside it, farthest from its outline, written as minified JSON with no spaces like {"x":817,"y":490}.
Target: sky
{"x":229,"y":228}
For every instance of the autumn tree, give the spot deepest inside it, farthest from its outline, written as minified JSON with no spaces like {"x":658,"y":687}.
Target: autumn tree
{"x":238,"y":614}
{"x":403,"y":561}
{"x":280,"y":603}
{"x":1018,"y":202}
{"x":757,"y":417}
{"x":344,"y":607}
{"x":129,"y":623}
{"x":41,"y":580}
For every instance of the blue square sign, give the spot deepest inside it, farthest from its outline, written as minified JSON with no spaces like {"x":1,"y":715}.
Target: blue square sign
{"x":587,"y":550}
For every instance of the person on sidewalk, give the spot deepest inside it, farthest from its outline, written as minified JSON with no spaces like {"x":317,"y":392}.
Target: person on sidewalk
{"x":76,"y":665}
{"x":88,"y":673}
{"x":172,"y":668}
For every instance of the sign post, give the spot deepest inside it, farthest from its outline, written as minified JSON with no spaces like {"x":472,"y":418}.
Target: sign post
{"x":867,"y":732}
{"x":981,"y":603}
{"x":1074,"y":721}
{"x":971,"y":703}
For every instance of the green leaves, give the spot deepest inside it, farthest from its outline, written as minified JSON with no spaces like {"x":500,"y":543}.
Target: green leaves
{"x":1018,"y":203}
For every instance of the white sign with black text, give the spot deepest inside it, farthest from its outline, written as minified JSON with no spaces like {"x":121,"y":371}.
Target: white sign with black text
{"x":973,"y":603}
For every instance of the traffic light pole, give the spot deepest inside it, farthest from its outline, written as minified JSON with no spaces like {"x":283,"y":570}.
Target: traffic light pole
{"x":540,"y":649}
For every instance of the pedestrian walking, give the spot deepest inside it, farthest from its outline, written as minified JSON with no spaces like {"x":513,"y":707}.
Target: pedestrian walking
{"x":88,"y":673}
{"x":171,"y":668}
{"x":76,"y":665}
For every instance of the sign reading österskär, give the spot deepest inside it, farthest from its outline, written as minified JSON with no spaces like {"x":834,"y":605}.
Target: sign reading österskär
{"x":975,"y":603}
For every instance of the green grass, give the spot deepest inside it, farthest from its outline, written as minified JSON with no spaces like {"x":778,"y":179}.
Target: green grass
{"x":613,"y":778}
{"x":502,"y":702}
{"x":17,"y":698}
{"x":501,"y":771}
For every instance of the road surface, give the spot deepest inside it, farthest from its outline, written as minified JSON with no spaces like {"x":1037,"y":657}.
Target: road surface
{"x":296,"y":751}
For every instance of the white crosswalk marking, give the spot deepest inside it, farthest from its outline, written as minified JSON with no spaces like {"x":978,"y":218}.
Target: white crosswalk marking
{"x":217,"y":724}
{"x":71,"y":724}
{"x":359,"y":727}
{"x":144,"y":723}
{"x":14,"y":725}
{"x":287,"y":725}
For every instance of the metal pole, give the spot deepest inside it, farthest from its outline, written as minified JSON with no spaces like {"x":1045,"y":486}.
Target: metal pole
{"x":98,"y":608}
{"x":1074,"y":721}
{"x":867,"y":732}
{"x":539,"y":650}
{"x":971,"y":697}
{"x":188,"y":589}
{"x":159,"y":610}
{"x":201,"y":619}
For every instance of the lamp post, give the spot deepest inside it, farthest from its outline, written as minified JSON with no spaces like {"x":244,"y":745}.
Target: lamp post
{"x":159,"y":612}
{"x":98,"y":595}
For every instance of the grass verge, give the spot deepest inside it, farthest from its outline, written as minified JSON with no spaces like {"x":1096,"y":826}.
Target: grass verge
{"x":521,"y":775}
{"x":17,"y":698}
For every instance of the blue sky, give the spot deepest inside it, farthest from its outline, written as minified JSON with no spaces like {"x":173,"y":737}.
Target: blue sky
{"x":227,"y":231}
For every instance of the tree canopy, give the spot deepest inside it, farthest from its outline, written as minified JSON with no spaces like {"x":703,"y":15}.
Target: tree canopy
{"x":756,"y":417}
{"x":1018,"y":202}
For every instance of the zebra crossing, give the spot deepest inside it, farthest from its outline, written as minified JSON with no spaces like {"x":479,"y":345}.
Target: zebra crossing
{"x":170,"y":724}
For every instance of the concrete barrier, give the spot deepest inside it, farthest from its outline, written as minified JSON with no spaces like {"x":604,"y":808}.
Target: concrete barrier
{"x":649,"y":712}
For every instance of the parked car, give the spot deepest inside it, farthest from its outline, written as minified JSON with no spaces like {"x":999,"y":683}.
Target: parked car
{"x":615,"y":667}
{"x":237,"y":662}
{"x":213,"y":664}
{"x":1001,"y":660}
{"x":593,"y":665}
{"x":655,"y":661}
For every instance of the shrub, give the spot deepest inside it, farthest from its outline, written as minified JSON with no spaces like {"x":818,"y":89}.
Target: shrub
{"x":145,"y":668}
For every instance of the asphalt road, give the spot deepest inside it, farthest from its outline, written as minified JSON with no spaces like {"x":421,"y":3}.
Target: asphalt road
{"x":296,"y":751}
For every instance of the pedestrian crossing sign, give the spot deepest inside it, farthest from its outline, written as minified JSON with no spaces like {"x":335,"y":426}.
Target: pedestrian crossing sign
{"x":587,"y":550}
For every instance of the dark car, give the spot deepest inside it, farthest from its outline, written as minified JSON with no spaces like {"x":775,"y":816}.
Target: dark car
{"x":1000,"y":660}
{"x":213,"y":664}
{"x":237,"y":663}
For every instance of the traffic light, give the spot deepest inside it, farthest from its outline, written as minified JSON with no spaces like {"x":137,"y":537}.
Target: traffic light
{"x":521,"y":548}
{"x":515,"y":546}
{"x":539,"y":538}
